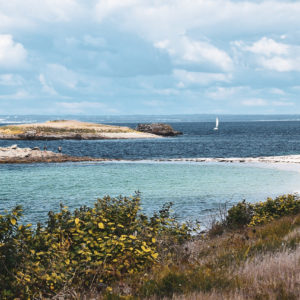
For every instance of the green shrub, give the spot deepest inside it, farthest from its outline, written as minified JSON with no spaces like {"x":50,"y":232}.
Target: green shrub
{"x":87,"y":249}
{"x":245,"y":213}
{"x":272,"y":209}
{"x":239,"y":215}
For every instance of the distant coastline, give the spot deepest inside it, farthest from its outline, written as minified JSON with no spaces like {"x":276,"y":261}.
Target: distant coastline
{"x":69,"y":129}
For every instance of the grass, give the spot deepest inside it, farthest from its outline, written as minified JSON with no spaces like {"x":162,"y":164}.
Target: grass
{"x":248,"y":261}
{"x":257,"y":263}
{"x":43,"y":129}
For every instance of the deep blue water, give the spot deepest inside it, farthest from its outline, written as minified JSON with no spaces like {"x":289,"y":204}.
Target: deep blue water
{"x":234,"y":139}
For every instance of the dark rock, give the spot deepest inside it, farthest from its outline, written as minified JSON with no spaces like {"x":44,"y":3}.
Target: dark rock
{"x":29,"y":135}
{"x":36,"y":148}
{"x":158,"y":128}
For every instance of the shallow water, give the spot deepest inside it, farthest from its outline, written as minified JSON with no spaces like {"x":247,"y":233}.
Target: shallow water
{"x":196,"y":189}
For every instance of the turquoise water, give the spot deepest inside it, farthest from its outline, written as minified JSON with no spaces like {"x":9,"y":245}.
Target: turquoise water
{"x":195,"y":189}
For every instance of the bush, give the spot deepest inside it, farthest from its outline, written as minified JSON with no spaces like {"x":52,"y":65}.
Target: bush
{"x":239,"y":215}
{"x":245,"y":213}
{"x":273,"y":209}
{"x":87,"y":249}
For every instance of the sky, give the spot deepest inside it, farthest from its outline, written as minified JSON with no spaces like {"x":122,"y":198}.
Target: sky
{"x":108,"y":57}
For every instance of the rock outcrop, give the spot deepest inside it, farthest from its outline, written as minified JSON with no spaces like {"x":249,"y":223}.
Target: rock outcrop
{"x":158,"y":129}
{"x":14,"y":154}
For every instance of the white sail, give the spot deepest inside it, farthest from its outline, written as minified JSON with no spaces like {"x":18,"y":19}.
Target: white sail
{"x":217,"y":124}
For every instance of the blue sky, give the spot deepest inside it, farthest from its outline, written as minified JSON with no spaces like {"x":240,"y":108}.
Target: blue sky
{"x":149,"y":57}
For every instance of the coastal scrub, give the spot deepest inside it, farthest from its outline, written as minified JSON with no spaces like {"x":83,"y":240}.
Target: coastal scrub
{"x":113,"y":251}
{"x":89,"y":248}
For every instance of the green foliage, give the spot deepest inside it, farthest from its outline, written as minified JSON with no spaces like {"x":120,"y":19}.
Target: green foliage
{"x":239,"y":215}
{"x":88,"y":249}
{"x":272,"y":209}
{"x":244,"y":213}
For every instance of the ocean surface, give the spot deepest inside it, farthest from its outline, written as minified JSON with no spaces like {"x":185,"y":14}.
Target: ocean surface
{"x":196,"y":189}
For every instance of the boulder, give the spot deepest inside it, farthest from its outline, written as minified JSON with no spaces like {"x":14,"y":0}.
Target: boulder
{"x":158,"y":129}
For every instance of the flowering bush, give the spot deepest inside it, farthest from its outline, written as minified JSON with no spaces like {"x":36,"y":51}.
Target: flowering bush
{"x":83,"y":250}
{"x":245,"y":213}
{"x":273,"y":209}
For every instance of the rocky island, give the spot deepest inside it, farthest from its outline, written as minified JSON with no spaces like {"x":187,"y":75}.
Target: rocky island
{"x":158,"y":129}
{"x":67,"y":129}
{"x":14,"y":154}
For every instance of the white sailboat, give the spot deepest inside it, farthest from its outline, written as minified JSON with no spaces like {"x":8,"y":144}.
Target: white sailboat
{"x":217,"y":124}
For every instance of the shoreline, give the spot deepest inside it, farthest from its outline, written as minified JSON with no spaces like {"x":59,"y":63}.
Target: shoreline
{"x":14,"y":155}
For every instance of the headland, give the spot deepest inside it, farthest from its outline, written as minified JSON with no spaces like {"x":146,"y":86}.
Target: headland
{"x":70,"y":129}
{"x":14,"y":154}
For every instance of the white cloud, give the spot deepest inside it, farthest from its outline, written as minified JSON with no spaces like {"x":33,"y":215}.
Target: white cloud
{"x":266,"y":46}
{"x":281,"y":64}
{"x":185,"y":49}
{"x":12,"y":54}
{"x":199,"y":78}
{"x":104,"y":8}
{"x":254,"y":102}
{"x":272,"y":55}
{"x":29,"y":12}
{"x":158,"y":20}
{"x":59,"y":75}
{"x":46,"y":87}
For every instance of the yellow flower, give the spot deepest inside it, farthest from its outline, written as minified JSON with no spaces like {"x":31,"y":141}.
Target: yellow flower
{"x":132,"y":237}
{"x":154,"y":255}
{"x":13,"y":221}
{"x":101,"y":225}
{"x":145,"y":249}
{"x":76,"y":221}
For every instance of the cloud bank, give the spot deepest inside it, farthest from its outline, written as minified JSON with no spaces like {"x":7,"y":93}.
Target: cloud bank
{"x":149,"y":56}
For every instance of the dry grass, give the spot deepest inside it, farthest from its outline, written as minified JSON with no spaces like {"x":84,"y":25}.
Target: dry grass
{"x":64,"y":126}
{"x":258,"y":263}
{"x":270,"y":276}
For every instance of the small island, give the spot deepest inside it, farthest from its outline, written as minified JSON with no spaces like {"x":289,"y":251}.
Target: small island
{"x":69,"y":129}
{"x":158,"y":129}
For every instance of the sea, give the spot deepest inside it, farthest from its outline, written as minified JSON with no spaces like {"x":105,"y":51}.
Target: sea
{"x":198,"y":191}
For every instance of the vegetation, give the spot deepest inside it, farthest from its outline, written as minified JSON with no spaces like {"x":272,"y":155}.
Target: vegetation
{"x":260,"y":213}
{"x":60,"y":130}
{"x":113,"y":251}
